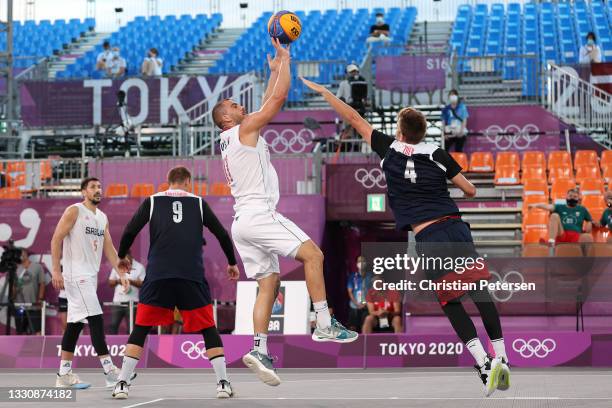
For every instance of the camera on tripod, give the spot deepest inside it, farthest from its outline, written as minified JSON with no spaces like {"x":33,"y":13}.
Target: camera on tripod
{"x":11,"y":257}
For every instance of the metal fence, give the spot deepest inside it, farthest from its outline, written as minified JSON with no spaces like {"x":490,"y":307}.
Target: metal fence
{"x":578,"y":102}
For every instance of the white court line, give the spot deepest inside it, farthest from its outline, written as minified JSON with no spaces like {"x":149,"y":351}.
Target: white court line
{"x":378,"y":399}
{"x":144,"y":403}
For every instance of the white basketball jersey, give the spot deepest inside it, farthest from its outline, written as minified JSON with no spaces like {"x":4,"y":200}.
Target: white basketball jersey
{"x":249,"y":172}
{"x":83,"y":246}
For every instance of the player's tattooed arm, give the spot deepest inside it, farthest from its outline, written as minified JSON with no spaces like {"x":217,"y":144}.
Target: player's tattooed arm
{"x":62,"y":229}
{"x":345,"y":111}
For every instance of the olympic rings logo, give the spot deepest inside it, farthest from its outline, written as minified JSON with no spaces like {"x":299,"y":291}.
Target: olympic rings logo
{"x":500,"y":297}
{"x":514,"y":137}
{"x":194,"y":350}
{"x":288,"y":140}
{"x":534,"y":347}
{"x":371,"y":178}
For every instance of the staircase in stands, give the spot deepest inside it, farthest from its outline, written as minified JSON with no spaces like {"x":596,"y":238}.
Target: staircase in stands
{"x":74,"y":51}
{"x":431,"y":37}
{"x":209,"y":51}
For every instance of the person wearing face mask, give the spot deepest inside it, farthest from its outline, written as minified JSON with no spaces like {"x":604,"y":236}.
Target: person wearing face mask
{"x":606,"y":217}
{"x":354,"y":91}
{"x":357,"y":289}
{"x":152,"y":64}
{"x":590,"y":52}
{"x":380,"y":30}
{"x":569,"y":222}
{"x":454,"y":122}
{"x":118,"y":66}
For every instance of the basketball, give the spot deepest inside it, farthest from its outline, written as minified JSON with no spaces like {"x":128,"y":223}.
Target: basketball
{"x":285,"y":26}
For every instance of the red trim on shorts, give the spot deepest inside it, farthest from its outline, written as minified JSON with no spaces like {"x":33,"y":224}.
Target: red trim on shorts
{"x":568,"y":236}
{"x":469,"y":276}
{"x":198,"y":319}
{"x":148,"y":315}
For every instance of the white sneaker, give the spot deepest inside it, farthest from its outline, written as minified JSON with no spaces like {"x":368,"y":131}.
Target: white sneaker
{"x":70,"y":380}
{"x":489,"y":374}
{"x":121,"y":390}
{"x":224,"y":389}
{"x":113,"y":376}
{"x":262,"y":366}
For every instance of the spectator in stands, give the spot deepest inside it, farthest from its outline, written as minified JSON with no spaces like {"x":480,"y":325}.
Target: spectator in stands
{"x":454,"y":122}
{"x":354,"y":89}
{"x":590,"y":52}
{"x":121,"y":312}
{"x":568,"y":222}
{"x":357,"y":288}
{"x":384,"y":308}
{"x":104,"y":58}
{"x":606,"y":217}
{"x":152,"y":64}
{"x":29,"y":288}
{"x":380,"y":30}
{"x":117,"y":66}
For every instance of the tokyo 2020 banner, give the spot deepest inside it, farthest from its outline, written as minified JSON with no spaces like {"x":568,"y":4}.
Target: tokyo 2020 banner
{"x":525,"y":349}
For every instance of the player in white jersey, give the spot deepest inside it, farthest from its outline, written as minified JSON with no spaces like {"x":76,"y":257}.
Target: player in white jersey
{"x":81,"y":236}
{"x":259,"y":232}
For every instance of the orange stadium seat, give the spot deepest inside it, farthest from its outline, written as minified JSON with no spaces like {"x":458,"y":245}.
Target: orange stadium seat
{"x":559,"y":189}
{"x":568,"y":250}
{"x":116,"y":190}
{"x":462,"y":159}
{"x":142,"y":190}
{"x":596,"y":213}
{"x":200,"y":189}
{"x":559,"y":158}
{"x":592,"y":187}
{"x":162,"y":187}
{"x":507,"y":159}
{"x":16,"y":180}
{"x":534,"y":159}
{"x":535,"y":186}
{"x":562,"y":172}
{"x":534,"y":251}
{"x":220,"y":189}
{"x":535,"y":219}
{"x":10,"y":193}
{"x":533,"y":172}
{"x":585,"y":157}
{"x":535,"y":236}
{"x":533,"y":199}
{"x":588,"y":171}
{"x":506,"y":175}
{"x":607,"y":174}
{"x":481,"y":162}
{"x":15,"y":167}
{"x":595,"y":204}
{"x":606,"y":159}
{"x":46,"y":170}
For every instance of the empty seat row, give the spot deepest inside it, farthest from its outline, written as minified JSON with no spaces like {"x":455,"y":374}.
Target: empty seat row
{"x":116,"y":190}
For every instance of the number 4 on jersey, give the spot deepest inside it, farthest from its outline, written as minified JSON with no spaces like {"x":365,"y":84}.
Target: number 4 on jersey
{"x":410,"y":173}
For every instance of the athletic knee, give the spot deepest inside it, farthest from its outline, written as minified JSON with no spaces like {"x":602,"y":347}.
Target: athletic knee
{"x":212,"y":339}
{"x":96,"y":327}
{"x":310,"y":252}
{"x":585,"y":238}
{"x":71,"y":336}
{"x":139,"y":335}
{"x":554,"y":218}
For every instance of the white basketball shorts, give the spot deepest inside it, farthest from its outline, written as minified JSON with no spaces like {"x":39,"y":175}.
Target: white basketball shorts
{"x":82,"y":298}
{"x":260,"y":237}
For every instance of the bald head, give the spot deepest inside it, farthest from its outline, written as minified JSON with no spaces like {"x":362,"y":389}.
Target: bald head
{"x":227,"y":114}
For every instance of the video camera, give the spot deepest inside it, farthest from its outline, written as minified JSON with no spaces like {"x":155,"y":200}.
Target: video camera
{"x":11,"y":257}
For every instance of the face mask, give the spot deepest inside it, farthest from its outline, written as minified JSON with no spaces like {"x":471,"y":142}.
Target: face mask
{"x":609,"y":204}
{"x":380,"y":20}
{"x":572,"y":202}
{"x":355,"y":76}
{"x":590,"y":41}
{"x":453,"y":99}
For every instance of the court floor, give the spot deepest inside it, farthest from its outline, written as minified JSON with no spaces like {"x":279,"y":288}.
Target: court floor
{"x":376,"y":388}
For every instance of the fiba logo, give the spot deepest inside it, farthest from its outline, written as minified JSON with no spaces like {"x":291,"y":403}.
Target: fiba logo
{"x":193,"y":350}
{"x":514,"y":277}
{"x":288,"y":140}
{"x":534,"y":347}
{"x":512,"y":136}
{"x":371,"y":178}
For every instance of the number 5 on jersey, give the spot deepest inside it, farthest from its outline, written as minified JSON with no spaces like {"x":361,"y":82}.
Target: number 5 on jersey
{"x":177,"y":211}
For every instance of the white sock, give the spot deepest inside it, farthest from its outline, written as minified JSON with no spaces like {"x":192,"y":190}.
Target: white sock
{"x":260,"y":343}
{"x":107,"y":364}
{"x":322,"y":313}
{"x":218,"y":364}
{"x":500,"y":348}
{"x":478,"y":352}
{"x":65,"y":367}
{"x":128,"y":367}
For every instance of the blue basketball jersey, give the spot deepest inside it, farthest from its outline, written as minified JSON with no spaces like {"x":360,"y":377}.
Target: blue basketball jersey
{"x":416,"y":177}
